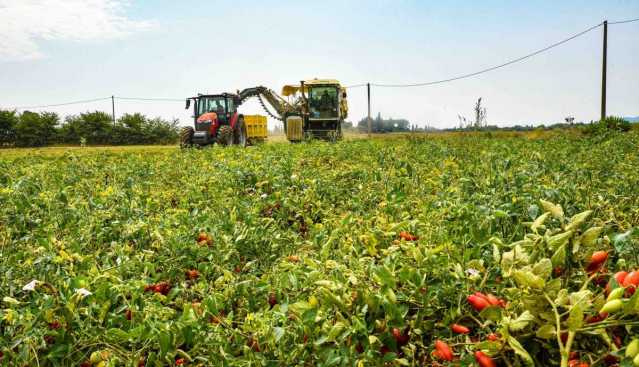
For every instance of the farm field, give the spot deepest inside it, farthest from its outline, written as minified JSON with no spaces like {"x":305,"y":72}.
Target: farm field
{"x":362,"y":252}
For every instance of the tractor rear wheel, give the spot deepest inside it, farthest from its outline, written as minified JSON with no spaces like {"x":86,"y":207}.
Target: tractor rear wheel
{"x":239,"y":135}
{"x":225,"y":135}
{"x":186,"y":137}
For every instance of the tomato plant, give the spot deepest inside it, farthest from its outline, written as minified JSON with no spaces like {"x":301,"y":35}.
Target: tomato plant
{"x":440,"y":250}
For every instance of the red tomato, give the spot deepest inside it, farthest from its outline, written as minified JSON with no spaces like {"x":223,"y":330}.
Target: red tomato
{"x":272,"y":299}
{"x":407,"y":236}
{"x":598,"y":257}
{"x":492,"y":337}
{"x":401,"y":338}
{"x":478,"y":303}
{"x":630,"y":291}
{"x":596,"y":318}
{"x":293,"y":258}
{"x":631,"y":279}
{"x":484,"y":360}
{"x":443,"y":351}
{"x":192,"y":274}
{"x":180,"y":362}
{"x":620,"y":276}
{"x":459,"y":329}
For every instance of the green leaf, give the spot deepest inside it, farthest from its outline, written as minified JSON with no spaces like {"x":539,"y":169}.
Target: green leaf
{"x":526,"y":278}
{"x":117,"y":335}
{"x":559,"y":257}
{"x":554,"y":209}
{"x":385,"y":276}
{"x":522,"y":321}
{"x":632,"y":306}
{"x":546,"y":332}
{"x":164,"y":340}
{"x":577,"y":220}
{"x":278,"y":332}
{"x":558,"y":240}
{"x":576,"y":317}
{"x":491,"y":313}
{"x":509,"y":259}
{"x":543,"y":268}
{"x":623,"y":241}
{"x":520,"y":351}
{"x":336,"y":330}
{"x":539,"y":222}
{"x":589,"y":237}
{"x":10,"y":301}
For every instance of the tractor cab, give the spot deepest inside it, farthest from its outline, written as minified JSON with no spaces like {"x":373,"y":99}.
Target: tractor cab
{"x":222,"y":105}
{"x":210,"y":112}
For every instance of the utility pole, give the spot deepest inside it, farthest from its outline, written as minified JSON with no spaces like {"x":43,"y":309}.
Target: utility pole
{"x":368,"y":89}
{"x":603,"y":70}
{"x":113,"y":109}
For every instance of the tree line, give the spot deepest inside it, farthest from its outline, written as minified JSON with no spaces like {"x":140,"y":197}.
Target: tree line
{"x":35,"y":129}
{"x":381,"y":125}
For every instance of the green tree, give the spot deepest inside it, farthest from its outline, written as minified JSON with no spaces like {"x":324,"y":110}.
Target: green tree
{"x":96,"y":127}
{"x":8,"y":122}
{"x":36,"y":129}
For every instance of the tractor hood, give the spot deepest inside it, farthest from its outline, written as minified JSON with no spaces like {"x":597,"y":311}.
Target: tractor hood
{"x":209,"y":116}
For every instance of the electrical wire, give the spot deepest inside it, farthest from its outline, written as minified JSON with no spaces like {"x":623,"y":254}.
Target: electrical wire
{"x":355,"y":86}
{"x":151,"y":99}
{"x":624,"y":21}
{"x":62,"y":104}
{"x":493,"y":67}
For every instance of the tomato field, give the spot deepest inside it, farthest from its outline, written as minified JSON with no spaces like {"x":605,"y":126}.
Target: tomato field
{"x":416,"y":251}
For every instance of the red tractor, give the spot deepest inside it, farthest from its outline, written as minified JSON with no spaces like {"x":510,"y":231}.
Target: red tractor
{"x":216,"y":121}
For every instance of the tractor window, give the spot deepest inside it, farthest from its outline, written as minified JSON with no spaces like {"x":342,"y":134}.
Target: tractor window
{"x":211,"y":104}
{"x":323,"y":102}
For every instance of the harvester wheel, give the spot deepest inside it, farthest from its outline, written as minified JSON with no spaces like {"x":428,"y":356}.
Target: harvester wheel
{"x":225,"y":135}
{"x":186,"y":137}
{"x":239,"y":135}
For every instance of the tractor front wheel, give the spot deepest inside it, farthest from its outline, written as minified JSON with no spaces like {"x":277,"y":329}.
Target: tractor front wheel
{"x":225,"y":135}
{"x":240,"y":137}
{"x":186,"y":137}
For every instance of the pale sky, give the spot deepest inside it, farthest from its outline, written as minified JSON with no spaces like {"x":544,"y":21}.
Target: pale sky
{"x":56,"y":51}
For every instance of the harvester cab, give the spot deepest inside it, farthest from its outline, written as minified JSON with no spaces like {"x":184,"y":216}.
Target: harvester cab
{"x":216,"y":120}
{"x":324,"y":108}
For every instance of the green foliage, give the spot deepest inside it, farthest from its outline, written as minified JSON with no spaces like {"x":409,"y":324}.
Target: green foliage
{"x":36,"y":129}
{"x":610,"y":124}
{"x":8,"y":122}
{"x":93,"y":128}
{"x":304,"y":264}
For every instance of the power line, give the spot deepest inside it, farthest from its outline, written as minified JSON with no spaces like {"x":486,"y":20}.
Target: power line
{"x":493,"y":67}
{"x":624,"y":21}
{"x":61,"y":104}
{"x":150,"y":99}
{"x":355,"y":86}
